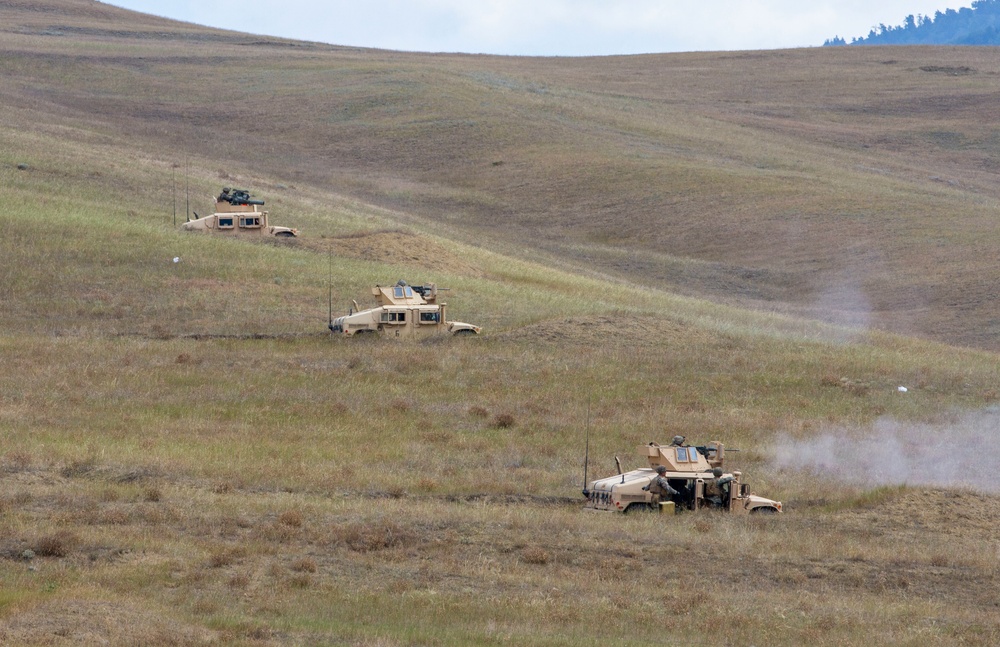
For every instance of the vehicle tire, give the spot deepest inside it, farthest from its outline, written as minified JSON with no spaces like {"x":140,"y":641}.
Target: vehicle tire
{"x":464,"y":333}
{"x":638,"y":508}
{"x":283,"y":234}
{"x":764,"y":510}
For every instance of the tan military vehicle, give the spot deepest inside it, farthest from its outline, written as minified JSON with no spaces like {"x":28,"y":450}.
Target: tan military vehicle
{"x":689,"y":470}
{"x":404,"y":311}
{"x":235,"y":215}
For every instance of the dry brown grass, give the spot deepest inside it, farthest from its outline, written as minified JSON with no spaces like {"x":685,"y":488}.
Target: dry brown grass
{"x":737,"y":176}
{"x":826,"y":573}
{"x":191,"y":460}
{"x":58,"y":544}
{"x":291,"y":518}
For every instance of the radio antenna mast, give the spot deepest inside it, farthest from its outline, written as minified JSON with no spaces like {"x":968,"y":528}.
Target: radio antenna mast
{"x":586,"y":452}
{"x":329,"y":282}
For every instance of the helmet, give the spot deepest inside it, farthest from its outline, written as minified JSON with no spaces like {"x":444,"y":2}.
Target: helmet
{"x":678,"y":440}
{"x":717,"y":472}
{"x":661,"y":469}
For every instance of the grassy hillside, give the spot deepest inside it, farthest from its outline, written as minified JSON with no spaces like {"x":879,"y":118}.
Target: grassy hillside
{"x":856,"y":185}
{"x":188,"y":458}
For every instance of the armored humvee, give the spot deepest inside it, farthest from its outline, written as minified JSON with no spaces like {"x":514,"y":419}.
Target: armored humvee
{"x":402,"y":310}
{"x":690,"y":472}
{"x":236,"y":214}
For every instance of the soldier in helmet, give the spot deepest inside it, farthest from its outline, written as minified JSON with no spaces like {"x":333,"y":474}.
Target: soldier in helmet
{"x":716,"y":491}
{"x":659,"y":488}
{"x":678,"y":441}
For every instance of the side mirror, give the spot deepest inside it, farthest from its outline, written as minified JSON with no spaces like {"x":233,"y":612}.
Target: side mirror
{"x":744,"y":490}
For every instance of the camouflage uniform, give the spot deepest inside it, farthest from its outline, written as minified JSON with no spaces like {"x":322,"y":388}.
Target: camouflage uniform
{"x":659,"y":488}
{"x":714,"y":490}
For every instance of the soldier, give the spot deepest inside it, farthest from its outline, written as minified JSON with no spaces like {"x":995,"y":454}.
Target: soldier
{"x":659,"y":488}
{"x":715,"y":490}
{"x":678,"y":441}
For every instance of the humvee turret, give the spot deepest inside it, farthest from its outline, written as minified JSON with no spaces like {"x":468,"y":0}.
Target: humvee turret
{"x":689,"y":470}
{"x":402,"y":310}
{"x":236,"y":214}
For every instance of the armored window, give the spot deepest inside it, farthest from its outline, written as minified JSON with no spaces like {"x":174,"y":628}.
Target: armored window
{"x":393,"y":317}
{"x":408,"y":291}
{"x":250,"y":221}
{"x":693,"y":454}
{"x":429,"y":317}
{"x":682,"y":454}
{"x":397,"y":292}
{"x":226,"y":223}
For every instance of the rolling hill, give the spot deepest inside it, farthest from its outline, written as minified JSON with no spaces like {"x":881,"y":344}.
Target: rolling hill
{"x":756,"y":247}
{"x":853,"y":186}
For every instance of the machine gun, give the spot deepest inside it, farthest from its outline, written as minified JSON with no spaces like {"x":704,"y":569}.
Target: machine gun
{"x":425,"y":290}
{"x":237,"y":197}
{"x":708,"y":451}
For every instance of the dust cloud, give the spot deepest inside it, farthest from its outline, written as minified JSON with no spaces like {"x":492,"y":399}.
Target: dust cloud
{"x":843,"y":302}
{"x":961,"y":451}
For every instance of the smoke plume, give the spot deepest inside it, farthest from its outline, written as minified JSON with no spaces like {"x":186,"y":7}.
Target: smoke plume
{"x":963,"y":451}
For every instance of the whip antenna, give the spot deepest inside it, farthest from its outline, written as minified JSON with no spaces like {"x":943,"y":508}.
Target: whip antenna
{"x":329,"y":282}
{"x":586,"y":451}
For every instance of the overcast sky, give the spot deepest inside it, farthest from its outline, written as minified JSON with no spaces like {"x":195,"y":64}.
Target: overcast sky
{"x":550,"y":27}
